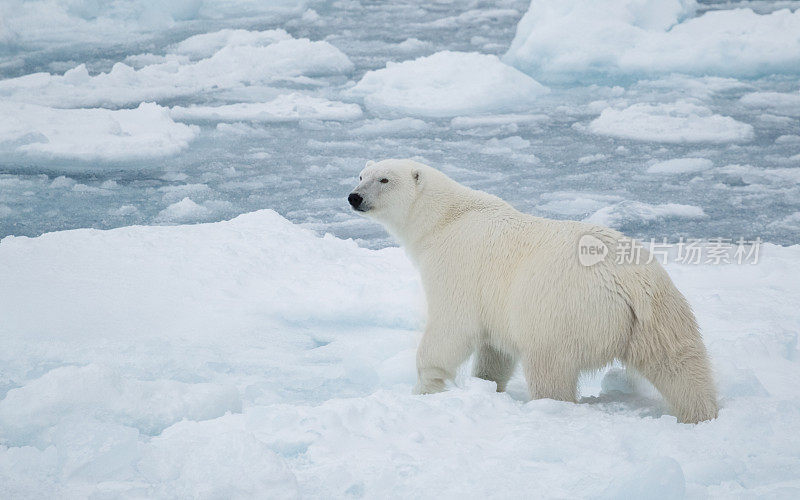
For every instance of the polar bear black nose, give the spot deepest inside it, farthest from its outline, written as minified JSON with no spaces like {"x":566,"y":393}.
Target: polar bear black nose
{"x":355,"y":200}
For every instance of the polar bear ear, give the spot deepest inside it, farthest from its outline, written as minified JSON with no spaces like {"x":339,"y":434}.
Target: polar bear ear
{"x":369,"y":163}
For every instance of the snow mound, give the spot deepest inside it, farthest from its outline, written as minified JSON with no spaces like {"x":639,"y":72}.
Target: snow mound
{"x":148,"y":405}
{"x":232,"y":66}
{"x":447,"y":84}
{"x":586,"y":40}
{"x":680,"y":166}
{"x":678,"y":122}
{"x":253,"y":358}
{"x":213,"y":459}
{"x":284,"y":108}
{"x":627,"y":212}
{"x":92,"y":134}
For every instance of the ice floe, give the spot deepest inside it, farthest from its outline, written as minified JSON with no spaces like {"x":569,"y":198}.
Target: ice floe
{"x":586,"y":40}
{"x":677,"y":122}
{"x":447,"y":84}
{"x":92,"y":134}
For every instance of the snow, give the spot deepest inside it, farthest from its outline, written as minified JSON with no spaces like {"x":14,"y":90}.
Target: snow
{"x":254,"y":358}
{"x":678,"y":122}
{"x":92,"y":134}
{"x":584,"y":40}
{"x":680,"y":166}
{"x":285,"y":107}
{"x":447,"y":84}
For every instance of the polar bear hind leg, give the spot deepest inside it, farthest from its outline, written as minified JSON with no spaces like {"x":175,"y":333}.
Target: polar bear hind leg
{"x":667,"y":349}
{"x":679,"y":371}
{"x":551,"y":374}
{"x":494,"y":365}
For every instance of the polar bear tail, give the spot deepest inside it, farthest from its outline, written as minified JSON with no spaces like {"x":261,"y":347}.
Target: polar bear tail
{"x":666,"y":346}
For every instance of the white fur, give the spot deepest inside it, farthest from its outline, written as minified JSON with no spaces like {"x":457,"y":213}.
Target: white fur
{"x":510,"y":287}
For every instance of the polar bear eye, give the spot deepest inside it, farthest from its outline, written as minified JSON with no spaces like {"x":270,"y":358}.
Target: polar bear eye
{"x":384,"y":180}
{"x":359,"y":178}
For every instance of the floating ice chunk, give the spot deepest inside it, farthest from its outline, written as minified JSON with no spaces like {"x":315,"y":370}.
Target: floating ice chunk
{"x":627,"y":212}
{"x":232,"y":66}
{"x":284,"y":108}
{"x":207,"y":44}
{"x":92,"y":134}
{"x":507,"y":145}
{"x":412,"y":45}
{"x":700,"y":87}
{"x":467,"y":122}
{"x":62,"y":182}
{"x":124,"y":211}
{"x":788,"y":139}
{"x":574,"y":203}
{"x":311,"y":16}
{"x":787,"y":104}
{"x":39,"y":23}
{"x":585,"y":160}
{"x":179,"y":192}
{"x":398,"y":127}
{"x":473,"y":17}
{"x":678,"y":122}
{"x":562,"y":40}
{"x":748,"y":174}
{"x":185,"y":210}
{"x":680,"y":166}
{"x":447,"y":84}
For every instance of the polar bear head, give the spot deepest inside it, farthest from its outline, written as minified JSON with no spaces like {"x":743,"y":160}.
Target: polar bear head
{"x":387,"y":190}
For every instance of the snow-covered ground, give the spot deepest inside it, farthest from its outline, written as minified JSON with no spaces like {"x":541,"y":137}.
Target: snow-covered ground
{"x":255,"y":357}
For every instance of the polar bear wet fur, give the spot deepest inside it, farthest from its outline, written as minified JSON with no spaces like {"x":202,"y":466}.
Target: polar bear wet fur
{"x":510,"y":287}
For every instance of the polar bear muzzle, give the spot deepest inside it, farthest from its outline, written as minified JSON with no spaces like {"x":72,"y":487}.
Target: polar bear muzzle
{"x":357,"y":202}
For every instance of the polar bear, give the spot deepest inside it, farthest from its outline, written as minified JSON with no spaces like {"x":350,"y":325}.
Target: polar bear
{"x":515,"y":288}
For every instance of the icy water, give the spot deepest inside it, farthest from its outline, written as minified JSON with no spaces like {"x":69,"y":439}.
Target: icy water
{"x":548,"y":162}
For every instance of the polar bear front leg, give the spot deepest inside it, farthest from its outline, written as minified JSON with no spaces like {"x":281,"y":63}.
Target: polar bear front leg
{"x":446,"y":344}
